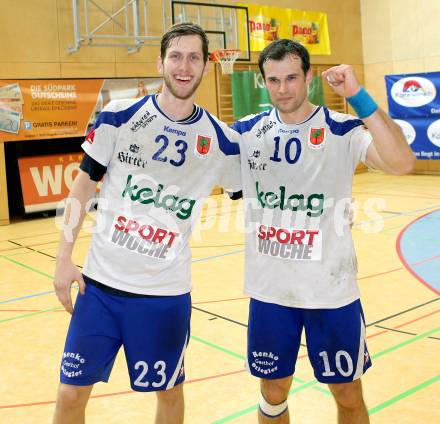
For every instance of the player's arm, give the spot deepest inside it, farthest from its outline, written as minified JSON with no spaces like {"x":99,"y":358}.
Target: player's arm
{"x":237,"y":193}
{"x":66,"y":272}
{"x":229,"y":142}
{"x":389,"y":150}
{"x":98,"y":146}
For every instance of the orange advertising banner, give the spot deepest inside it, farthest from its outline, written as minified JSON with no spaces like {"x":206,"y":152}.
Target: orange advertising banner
{"x":45,"y":109}
{"x":46,"y":180}
{"x":41,"y":109}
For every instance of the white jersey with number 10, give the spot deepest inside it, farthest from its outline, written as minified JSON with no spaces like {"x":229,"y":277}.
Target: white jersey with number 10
{"x":297,"y":184}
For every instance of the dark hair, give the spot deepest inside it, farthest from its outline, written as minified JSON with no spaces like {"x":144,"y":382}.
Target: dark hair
{"x":279,"y":49}
{"x":182,"y":29}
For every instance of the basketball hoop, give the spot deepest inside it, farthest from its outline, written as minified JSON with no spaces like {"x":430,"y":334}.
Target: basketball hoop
{"x":226,"y":58}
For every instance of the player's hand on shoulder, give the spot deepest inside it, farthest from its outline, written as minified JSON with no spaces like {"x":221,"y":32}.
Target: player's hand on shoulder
{"x":66,"y":273}
{"x":342,"y":79}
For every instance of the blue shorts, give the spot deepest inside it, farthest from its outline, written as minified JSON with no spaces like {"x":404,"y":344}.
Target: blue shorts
{"x":154,"y":331}
{"x":335,"y":341}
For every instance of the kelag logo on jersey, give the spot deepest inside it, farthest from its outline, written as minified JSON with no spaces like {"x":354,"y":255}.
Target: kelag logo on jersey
{"x":169,"y":202}
{"x":413,"y":91}
{"x":291,"y":244}
{"x":313,"y":204}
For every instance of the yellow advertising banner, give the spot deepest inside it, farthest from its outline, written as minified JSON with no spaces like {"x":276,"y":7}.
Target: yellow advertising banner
{"x":267,"y":24}
{"x":45,"y":109}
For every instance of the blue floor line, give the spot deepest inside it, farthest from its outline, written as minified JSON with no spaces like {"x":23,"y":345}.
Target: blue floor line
{"x":51,"y":292}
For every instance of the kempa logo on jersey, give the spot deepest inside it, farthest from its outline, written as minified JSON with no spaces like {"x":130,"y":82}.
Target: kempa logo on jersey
{"x":265,"y":128}
{"x":145,"y":239}
{"x":264,"y":362}
{"x":413,"y":91}
{"x":289,"y":131}
{"x":145,"y":120}
{"x":314,"y":204}
{"x":287,"y":243}
{"x":169,"y":202}
{"x":168,"y":129}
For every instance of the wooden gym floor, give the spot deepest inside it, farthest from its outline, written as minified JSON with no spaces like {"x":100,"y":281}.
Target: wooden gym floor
{"x":399,"y":277}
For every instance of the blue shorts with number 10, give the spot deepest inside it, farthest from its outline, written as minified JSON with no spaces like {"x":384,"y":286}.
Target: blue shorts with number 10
{"x":335,"y":341}
{"x":154,"y":332}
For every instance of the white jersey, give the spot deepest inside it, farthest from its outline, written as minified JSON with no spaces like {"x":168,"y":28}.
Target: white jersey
{"x":159,"y":172}
{"x":297,"y":184}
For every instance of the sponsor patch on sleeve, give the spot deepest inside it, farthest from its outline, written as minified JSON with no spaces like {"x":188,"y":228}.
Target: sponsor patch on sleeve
{"x":90,"y":136}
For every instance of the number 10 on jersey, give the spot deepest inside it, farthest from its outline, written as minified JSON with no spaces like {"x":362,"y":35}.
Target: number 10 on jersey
{"x":292,"y":150}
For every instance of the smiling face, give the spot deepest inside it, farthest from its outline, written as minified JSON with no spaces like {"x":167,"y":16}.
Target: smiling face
{"x":287,"y":83}
{"x":183,"y":66}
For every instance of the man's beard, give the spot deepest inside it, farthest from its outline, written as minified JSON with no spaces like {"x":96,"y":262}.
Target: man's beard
{"x":170,"y":87}
{"x":292,"y":107}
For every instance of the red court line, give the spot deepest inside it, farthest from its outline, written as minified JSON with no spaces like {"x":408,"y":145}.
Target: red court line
{"x":30,"y":310}
{"x":423,"y":261}
{"x":405,"y":323}
{"x":406,"y":264}
{"x":417,"y":319}
{"x":195,"y":380}
{"x":49,"y":402}
{"x":377,"y":334}
{"x":209,"y":377}
{"x":20,"y":310}
{"x":395,"y":328}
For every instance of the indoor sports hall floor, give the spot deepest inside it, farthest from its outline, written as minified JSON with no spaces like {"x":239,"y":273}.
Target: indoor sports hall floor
{"x":399,"y":277}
